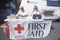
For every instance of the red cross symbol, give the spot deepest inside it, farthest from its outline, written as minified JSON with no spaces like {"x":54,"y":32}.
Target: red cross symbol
{"x":19,"y":28}
{"x":28,"y":1}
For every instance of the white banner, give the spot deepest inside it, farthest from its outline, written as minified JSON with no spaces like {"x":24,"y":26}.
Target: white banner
{"x":24,"y":29}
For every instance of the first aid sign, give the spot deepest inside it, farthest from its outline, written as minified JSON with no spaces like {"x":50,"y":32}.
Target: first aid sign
{"x":24,"y":29}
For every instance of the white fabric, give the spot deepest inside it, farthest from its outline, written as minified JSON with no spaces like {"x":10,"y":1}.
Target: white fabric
{"x":36,"y":12}
{"x":21,"y":13}
{"x":27,"y":33}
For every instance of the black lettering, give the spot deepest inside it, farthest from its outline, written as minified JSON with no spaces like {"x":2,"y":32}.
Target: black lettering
{"x":36,"y":26}
{"x":36,"y":33}
{"x":42,"y":25}
{"x":32,"y":33}
{"x":28,"y":26}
